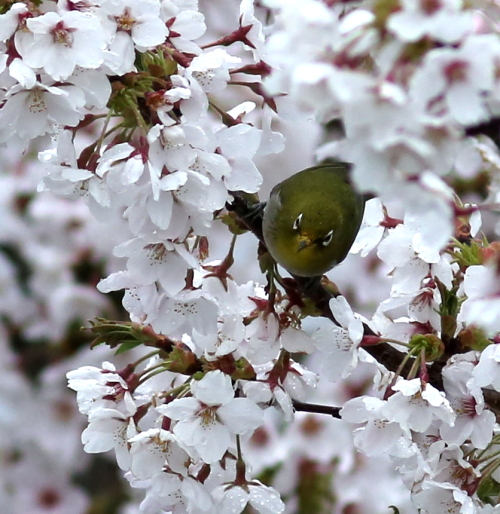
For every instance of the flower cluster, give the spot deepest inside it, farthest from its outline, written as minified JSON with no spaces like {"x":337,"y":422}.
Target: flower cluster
{"x":410,"y":81}
{"x":156,"y":161}
{"x":207,"y":420}
{"x":415,"y":87}
{"x":152,"y":122}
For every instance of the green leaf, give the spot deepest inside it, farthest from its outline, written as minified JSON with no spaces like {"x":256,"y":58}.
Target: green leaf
{"x":125,"y":347}
{"x":469,"y":254}
{"x":488,"y":490}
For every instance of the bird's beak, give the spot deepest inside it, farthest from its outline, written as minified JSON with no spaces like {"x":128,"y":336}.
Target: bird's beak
{"x":304,"y":243}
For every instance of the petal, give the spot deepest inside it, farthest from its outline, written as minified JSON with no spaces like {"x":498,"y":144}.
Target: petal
{"x":210,"y":440}
{"x":341,"y":310}
{"x":233,"y":500}
{"x":181,"y":408}
{"x":149,"y":34}
{"x":266,"y":500}
{"x":295,"y":340}
{"x":241,"y":415}
{"x":215,"y":388}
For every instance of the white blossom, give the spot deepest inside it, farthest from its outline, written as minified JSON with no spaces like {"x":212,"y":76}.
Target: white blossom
{"x":481,"y":306}
{"x":207,"y":420}
{"x":473,"y":420}
{"x":59,"y":42}
{"x":234,"y":499}
{"x":415,"y":405}
{"x":485,"y":373}
{"x":378,"y":434}
{"x":339,"y":344}
{"x":446,"y":21}
{"x":153,"y":449}
{"x":110,"y":429}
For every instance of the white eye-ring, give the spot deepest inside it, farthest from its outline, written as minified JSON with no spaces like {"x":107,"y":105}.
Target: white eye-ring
{"x":296,"y":223}
{"x":327,"y":239}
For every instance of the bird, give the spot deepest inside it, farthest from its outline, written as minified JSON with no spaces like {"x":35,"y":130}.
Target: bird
{"x":312,"y":218}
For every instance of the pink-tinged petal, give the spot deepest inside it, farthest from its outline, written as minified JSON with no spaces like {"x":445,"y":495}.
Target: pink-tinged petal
{"x":123,"y":457}
{"x":379,"y":436}
{"x":482,"y":430}
{"x":132,"y":170}
{"x":466,"y":108}
{"x":341,"y":310}
{"x":285,"y":402}
{"x":197,"y":495}
{"x":20,"y":71}
{"x":173,"y":181}
{"x":190,"y":24}
{"x":361,"y":409}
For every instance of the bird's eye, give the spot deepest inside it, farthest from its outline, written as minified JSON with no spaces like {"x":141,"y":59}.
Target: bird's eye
{"x":327,"y":239}
{"x":296,"y":223}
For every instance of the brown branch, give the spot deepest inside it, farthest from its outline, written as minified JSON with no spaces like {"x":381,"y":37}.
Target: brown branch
{"x":316,"y":409}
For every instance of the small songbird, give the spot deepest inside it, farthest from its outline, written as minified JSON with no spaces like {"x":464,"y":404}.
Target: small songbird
{"x":312,"y":219}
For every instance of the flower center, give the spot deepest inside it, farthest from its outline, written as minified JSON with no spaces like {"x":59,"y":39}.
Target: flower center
{"x":456,"y":71}
{"x":62,"y":35}
{"x":208,"y":415}
{"x":430,"y":6}
{"x":125,"y":21}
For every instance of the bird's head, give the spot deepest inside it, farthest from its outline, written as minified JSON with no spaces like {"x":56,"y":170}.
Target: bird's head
{"x":309,"y":233}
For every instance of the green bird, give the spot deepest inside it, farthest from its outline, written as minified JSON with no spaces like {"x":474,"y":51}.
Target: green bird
{"x":312,"y":218}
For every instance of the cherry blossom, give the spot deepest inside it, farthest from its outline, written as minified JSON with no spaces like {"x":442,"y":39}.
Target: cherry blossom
{"x":139,"y":20}
{"x":153,"y":449}
{"x":206,"y":422}
{"x":235,"y":498}
{"x":109,"y":429}
{"x":379,"y":434}
{"x":481,"y":306}
{"x":160,"y":126}
{"x":444,"y":21}
{"x":60,"y":42}
{"x":466,"y":398}
{"x":485,"y":371}
{"x":37,"y":111}
{"x":93,"y":384}
{"x":416,"y":405}
{"x":176,"y":494}
{"x":462,"y":75}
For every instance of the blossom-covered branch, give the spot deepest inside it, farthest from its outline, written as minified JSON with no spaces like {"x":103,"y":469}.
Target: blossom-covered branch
{"x":160,"y":118}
